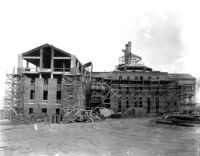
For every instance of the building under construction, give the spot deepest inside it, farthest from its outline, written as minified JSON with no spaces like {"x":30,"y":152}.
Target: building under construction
{"x":136,"y":89}
{"x":51,"y":81}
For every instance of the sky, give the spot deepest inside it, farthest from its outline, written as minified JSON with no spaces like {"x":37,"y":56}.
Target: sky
{"x":165,"y":33}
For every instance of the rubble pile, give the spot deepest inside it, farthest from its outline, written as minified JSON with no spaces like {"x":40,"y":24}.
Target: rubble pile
{"x":81,"y":116}
{"x":68,"y":117}
{"x":34,"y":118}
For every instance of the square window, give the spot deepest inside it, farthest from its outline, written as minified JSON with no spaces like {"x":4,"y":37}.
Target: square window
{"x":32,"y":80}
{"x":136,"y":104}
{"x":30,"y":110}
{"x":44,"y":110}
{"x":59,"y":80}
{"x":140,"y":103}
{"x":32,"y":95}
{"x":57,"y":111}
{"x":45,"y":95}
{"x":45,"y":80}
{"x":58,"y":95}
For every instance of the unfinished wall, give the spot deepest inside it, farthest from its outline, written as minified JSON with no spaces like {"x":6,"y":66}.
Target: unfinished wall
{"x":39,"y":88}
{"x":134,"y":89}
{"x":27,"y":82}
{"x":52,"y":90}
{"x":73,"y":93}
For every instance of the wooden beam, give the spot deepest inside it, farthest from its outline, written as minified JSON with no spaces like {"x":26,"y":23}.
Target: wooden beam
{"x":52,"y":61}
{"x":41,"y":58}
{"x":30,"y":57}
{"x":62,"y":58}
{"x":27,"y":64}
{"x":20,"y":61}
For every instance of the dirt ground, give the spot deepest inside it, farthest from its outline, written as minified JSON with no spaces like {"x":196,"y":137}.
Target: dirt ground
{"x":121,"y":137}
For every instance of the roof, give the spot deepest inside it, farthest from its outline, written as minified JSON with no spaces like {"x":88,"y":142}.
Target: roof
{"x":134,"y":67}
{"x":180,"y":76}
{"x":43,"y":46}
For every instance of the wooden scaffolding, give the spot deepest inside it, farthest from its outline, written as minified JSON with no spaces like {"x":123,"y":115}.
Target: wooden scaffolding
{"x":73,"y":93}
{"x":131,"y":93}
{"x":13,"y":95}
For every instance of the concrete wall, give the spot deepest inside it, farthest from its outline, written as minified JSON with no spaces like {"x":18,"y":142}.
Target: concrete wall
{"x":39,"y":88}
{"x":51,"y":103}
{"x":27,"y":82}
{"x":51,"y":109}
{"x":115,"y":101}
{"x":52,"y":91}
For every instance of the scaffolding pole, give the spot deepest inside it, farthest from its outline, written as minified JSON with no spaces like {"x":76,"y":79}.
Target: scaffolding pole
{"x":13,"y":95}
{"x":103,"y":89}
{"x":73,"y":92}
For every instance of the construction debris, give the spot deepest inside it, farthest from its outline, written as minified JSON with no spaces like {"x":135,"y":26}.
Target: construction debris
{"x":106,"y":112}
{"x":70,"y":117}
{"x":80,"y":116}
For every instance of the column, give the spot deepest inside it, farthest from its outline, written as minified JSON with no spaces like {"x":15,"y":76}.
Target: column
{"x":52,"y":61}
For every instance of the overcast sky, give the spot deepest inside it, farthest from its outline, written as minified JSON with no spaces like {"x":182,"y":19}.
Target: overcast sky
{"x":164,"y":33}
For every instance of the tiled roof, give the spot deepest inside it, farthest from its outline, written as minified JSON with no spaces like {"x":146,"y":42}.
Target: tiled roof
{"x":180,"y":76}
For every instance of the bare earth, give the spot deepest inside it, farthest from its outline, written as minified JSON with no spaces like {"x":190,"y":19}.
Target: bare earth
{"x":121,"y":137}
